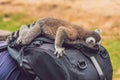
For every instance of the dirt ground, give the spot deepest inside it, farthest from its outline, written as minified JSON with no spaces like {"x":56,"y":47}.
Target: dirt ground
{"x":103,"y":14}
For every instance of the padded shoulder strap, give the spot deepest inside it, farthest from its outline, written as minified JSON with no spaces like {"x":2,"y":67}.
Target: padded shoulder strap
{"x":16,"y":55}
{"x":44,"y":39}
{"x":98,"y":68}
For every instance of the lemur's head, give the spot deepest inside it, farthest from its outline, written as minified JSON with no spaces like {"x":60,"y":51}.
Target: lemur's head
{"x":93,"y":37}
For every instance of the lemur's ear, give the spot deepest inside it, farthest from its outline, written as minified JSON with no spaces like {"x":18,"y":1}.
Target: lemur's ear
{"x":99,"y":31}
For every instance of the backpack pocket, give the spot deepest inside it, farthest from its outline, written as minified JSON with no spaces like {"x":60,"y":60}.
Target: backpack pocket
{"x":45,"y":64}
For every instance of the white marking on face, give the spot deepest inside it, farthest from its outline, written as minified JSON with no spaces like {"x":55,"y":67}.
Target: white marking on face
{"x":90,"y":40}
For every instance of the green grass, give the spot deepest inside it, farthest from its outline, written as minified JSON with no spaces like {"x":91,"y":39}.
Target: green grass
{"x":113,"y":47}
{"x":16,"y":20}
{"x":13,"y":22}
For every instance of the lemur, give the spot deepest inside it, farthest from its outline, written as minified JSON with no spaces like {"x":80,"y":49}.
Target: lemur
{"x":59,"y":30}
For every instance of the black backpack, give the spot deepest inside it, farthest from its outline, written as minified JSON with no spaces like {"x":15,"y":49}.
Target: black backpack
{"x":78,"y":63}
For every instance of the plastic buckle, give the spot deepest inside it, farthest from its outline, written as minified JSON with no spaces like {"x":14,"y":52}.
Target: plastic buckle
{"x":37,"y":43}
{"x":103,"y":54}
{"x":82,"y":64}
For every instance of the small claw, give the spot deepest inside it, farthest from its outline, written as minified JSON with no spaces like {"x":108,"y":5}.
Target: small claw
{"x":59,"y":52}
{"x":19,"y":40}
{"x":58,"y":55}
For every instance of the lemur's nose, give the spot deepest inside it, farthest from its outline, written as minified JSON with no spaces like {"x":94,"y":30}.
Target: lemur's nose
{"x":91,"y":42}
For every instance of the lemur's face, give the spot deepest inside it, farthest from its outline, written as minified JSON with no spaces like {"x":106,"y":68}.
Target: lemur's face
{"x":90,"y":40}
{"x":93,"y":38}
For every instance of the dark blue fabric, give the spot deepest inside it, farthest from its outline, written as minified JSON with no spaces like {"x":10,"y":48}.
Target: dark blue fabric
{"x":9,"y":69}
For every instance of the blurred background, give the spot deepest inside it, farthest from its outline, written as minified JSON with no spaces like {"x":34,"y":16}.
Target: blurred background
{"x":91,"y":14}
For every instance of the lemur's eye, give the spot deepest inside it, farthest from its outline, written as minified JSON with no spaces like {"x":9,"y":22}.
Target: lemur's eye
{"x":90,"y":40}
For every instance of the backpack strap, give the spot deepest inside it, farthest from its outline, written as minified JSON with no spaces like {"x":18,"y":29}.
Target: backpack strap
{"x":17,"y":54}
{"x":91,"y":53}
{"x":3,"y":47}
{"x":44,"y":39}
{"x":98,"y":68}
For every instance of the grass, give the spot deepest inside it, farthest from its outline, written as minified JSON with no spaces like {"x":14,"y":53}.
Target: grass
{"x":13,"y":22}
{"x":113,"y":47}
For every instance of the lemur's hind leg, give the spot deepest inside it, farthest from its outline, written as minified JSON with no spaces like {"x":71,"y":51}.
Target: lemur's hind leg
{"x":31,"y":34}
{"x":22,"y":32}
{"x":59,"y":40}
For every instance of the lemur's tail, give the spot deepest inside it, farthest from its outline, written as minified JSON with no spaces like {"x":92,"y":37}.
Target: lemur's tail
{"x":4,"y":34}
{"x":3,"y":38}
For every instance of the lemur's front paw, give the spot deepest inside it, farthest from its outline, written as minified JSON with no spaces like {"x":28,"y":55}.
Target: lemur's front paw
{"x":19,"y":40}
{"x":22,"y":41}
{"x":59,"y":51}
